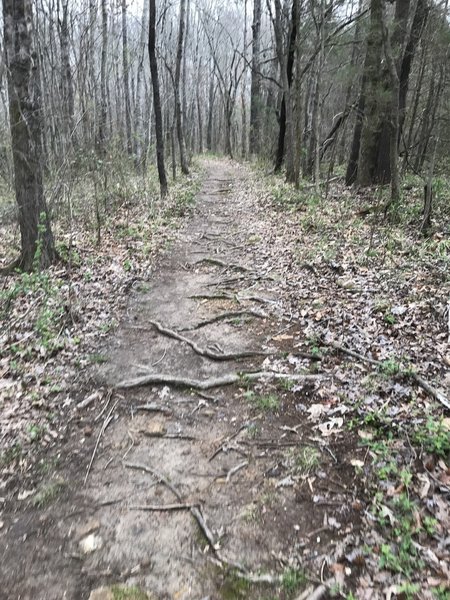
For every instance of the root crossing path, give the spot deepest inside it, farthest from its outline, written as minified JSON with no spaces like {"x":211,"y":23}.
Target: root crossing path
{"x":198,"y":481}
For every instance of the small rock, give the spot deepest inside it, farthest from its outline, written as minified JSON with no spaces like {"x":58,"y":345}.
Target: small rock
{"x":90,"y":543}
{"x":25,"y":494}
{"x":101,"y":593}
{"x":154,"y":429}
{"x":87,"y":528}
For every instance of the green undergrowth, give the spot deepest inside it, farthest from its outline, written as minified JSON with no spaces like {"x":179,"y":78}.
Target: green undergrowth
{"x":404,"y":520}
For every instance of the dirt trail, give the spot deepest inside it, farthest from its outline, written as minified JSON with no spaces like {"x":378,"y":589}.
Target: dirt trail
{"x":225,"y":451}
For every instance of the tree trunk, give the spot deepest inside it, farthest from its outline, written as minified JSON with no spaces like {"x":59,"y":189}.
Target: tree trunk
{"x":103,"y":93}
{"x":156,"y":100}
{"x":126,"y":78}
{"x":284,"y":69}
{"x":209,"y":129}
{"x":138,"y":121}
{"x":418,"y":25}
{"x":178,"y":108}
{"x":37,"y":244}
{"x":66,"y":76}
{"x":255,"y":88}
{"x":392,"y":52}
{"x":289,"y":73}
{"x":374,"y":105}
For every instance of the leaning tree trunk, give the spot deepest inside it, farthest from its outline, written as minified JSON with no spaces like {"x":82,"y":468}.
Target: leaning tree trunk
{"x":156,"y":100}
{"x":37,"y":244}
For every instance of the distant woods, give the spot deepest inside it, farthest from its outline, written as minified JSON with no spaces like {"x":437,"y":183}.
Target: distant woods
{"x":312,"y":86}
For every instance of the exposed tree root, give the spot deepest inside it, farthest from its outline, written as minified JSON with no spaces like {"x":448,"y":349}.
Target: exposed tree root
{"x":221,"y":263}
{"x":203,"y":351}
{"x":223,"y":316}
{"x":218,"y":296}
{"x":164,"y":507}
{"x":421,"y":382}
{"x":207,"y":384}
{"x":194,"y":510}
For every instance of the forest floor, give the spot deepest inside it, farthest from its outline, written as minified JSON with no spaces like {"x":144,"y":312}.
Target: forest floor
{"x":267,"y":419}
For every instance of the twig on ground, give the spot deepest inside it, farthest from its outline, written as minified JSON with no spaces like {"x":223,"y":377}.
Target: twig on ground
{"x":235,"y":469}
{"x":128,"y":450}
{"x":421,"y":382}
{"x":88,"y":400}
{"x":203,"y":351}
{"x":105,"y":406}
{"x":225,"y":441}
{"x":206,"y":384}
{"x":106,"y":422}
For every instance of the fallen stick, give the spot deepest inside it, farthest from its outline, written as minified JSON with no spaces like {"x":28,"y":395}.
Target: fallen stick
{"x":232,"y":314}
{"x":163,"y":507}
{"x":221,"y":263}
{"x":225,"y":441}
{"x":207,"y":384}
{"x":203,"y":351}
{"x":105,"y":424}
{"x":421,"y":382}
{"x":235,"y":469}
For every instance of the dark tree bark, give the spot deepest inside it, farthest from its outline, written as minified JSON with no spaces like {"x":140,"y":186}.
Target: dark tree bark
{"x":290,"y":69}
{"x":374,"y":92}
{"x":420,"y":19}
{"x":37,"y":244}
{"x":178,"y":107}
{"x":156,"y":100}
{"x":255,"y":90}
{"x":370,"y":160}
